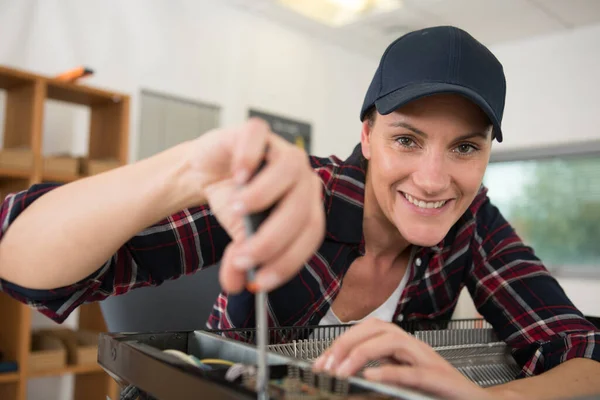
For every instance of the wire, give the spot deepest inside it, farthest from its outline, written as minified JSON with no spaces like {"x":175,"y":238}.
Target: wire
{"x":188,"y":358}
{"x":216,"y":361}
{"x":204,"y":363}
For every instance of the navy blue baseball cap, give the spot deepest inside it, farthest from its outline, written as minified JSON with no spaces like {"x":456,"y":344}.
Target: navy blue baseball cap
{"x":442,"y":59}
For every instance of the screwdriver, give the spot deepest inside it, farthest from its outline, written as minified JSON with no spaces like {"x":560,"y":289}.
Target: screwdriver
{"x":252,"y":223}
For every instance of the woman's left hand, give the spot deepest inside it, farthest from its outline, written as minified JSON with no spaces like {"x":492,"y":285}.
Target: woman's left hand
{"x":410,"y":363}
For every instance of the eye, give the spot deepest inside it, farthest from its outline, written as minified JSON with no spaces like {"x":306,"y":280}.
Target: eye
{"x":465,"y":149}
{"x":406,"y":141}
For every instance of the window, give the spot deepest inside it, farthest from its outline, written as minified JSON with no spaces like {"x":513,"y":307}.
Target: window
{"x":553,"y":202}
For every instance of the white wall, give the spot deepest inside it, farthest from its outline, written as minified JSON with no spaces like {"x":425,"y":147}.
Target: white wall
{"x":552,"y":89}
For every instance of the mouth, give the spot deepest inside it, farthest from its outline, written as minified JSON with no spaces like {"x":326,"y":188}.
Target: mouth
{"x":426,"y":207}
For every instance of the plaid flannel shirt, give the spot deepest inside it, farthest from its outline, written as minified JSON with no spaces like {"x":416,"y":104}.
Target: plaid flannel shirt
{"x":509,"y":285}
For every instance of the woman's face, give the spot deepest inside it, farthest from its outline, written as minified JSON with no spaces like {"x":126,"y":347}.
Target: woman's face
{"x":426,"y":164}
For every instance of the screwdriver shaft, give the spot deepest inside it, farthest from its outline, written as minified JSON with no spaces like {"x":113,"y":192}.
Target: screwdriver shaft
{"x":262,"y":343}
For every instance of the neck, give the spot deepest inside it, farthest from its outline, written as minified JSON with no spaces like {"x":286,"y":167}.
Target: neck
{"x":383,"y":241}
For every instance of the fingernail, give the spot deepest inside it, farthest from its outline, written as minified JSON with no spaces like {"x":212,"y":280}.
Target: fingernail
{"x":318,"y":363}
{"x":322,"y":362}
{"x":267,"y":281}
{"x":344,"y":370}
{"x":243,"y":263}
{"x":329,"y":363}
{"x":241,"y":176}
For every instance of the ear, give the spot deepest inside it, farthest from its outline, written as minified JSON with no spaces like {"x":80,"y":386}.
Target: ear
{"x":365,"y":140}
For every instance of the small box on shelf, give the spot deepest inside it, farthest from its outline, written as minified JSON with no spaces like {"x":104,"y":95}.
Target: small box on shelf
{"x":8,"y":366}
{"x":47,"y":352}
{"x":61,"y":164}
{"x":19,"y":158}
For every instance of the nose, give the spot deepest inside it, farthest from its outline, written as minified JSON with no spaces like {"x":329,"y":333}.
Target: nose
{"x":432,"y":174}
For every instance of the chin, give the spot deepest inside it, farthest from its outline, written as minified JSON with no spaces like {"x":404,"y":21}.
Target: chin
{"x":423,"y":235}
{"x":426,"y":240}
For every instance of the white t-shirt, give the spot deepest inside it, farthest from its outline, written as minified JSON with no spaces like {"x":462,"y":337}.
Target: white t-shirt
{"x":384,"y":311}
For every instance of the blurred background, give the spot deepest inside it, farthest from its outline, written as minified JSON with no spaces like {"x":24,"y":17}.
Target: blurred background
{"x":167,"y":71}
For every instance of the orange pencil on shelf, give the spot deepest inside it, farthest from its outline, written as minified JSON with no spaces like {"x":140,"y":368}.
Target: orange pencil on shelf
{"x":74,"y":74}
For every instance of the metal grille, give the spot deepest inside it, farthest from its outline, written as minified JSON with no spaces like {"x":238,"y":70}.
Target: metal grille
{"x":470,"y":345}
{"x":476,"y":353}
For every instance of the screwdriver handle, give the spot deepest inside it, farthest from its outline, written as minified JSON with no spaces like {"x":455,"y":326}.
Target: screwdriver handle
{"x":252,"y":222}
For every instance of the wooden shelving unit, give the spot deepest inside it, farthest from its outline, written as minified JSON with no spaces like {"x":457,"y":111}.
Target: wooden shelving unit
{"x":26,"y":94}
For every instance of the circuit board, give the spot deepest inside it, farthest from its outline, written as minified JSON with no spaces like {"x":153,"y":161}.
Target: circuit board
{"x":293,"y":382}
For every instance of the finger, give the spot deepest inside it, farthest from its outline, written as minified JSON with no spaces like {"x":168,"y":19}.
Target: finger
{"x":283,"y":170}
{"x":281,"y":269}
{"x":286,"y":221}
{"x":249,"y":149}
{"x":386,"y":345}
{"x":432,"y":381}
{"x":231,"y":279}
{"x":219,"y":196}
{"x":359,"y":333}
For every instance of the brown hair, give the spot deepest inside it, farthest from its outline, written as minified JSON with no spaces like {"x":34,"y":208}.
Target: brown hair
{"x":370,"y":118}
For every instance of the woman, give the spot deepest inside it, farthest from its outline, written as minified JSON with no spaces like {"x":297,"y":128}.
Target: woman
{"x":395,"y":231}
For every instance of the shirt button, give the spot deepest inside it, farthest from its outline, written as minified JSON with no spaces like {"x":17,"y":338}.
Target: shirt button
{"x":400,"y":318}
{"x":418,"y":262}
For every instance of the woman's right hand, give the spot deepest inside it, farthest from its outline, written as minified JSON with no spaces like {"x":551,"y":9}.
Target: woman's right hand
{"x":222,"y":163}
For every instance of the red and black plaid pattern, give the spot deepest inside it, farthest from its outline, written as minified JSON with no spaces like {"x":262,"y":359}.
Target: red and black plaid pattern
{"x":510,"y":286}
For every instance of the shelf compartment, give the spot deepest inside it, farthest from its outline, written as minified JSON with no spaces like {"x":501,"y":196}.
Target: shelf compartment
{"x":48,"y":353}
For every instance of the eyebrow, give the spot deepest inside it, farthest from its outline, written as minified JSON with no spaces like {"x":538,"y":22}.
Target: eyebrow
{"x":400,"y":124}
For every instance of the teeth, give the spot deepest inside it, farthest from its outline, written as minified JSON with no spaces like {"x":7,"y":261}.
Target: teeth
{"x":422,"y":204}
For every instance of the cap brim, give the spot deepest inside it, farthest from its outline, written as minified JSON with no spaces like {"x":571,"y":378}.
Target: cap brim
{"x":396,"y":99}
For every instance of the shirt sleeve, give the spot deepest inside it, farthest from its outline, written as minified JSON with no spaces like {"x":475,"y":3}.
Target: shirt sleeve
{"x":527,"y":307}
{"x":180,"y":244}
